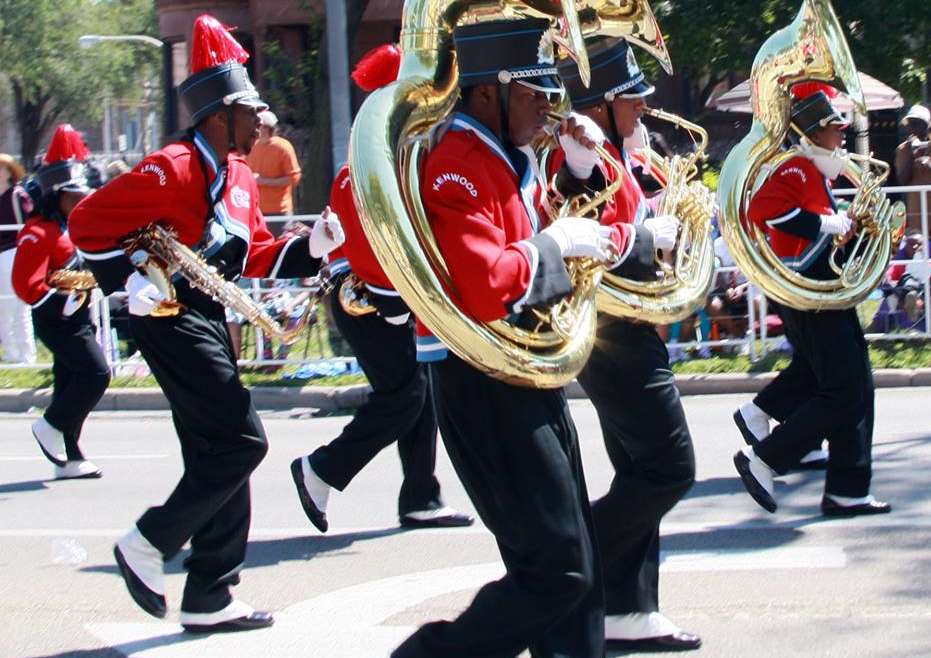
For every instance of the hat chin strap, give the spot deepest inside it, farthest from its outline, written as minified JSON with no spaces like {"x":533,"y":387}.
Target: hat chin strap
{"x":504,"y":104}
{"x":230,"y":128}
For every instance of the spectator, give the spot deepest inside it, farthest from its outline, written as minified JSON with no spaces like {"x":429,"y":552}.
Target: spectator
{"x":19,"y":345}
{"x":913,"y":161}
{"x":902,"y":306}
{"x":276,"y":170}
{"x":727,"y":302}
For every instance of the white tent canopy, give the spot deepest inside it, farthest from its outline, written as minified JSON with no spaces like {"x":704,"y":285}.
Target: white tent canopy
{"x":879,"y":96}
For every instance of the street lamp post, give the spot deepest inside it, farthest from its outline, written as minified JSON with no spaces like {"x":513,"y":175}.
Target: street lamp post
{"x":90,"y":40}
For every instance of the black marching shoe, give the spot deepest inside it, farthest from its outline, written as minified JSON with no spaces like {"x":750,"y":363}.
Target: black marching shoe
{"x":442,"y":517}
{"x":646,"y":631}
{"x":253,"y":621}
{"x":314,"y":513}
{"x":147,"y":599}
{"x":757,"y":478}
{"x":830,"y":507}
{"x":678,"y":641}
{"x":745,"y":432}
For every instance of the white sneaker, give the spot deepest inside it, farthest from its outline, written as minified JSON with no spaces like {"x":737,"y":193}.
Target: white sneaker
{"x":75,"y":469}
{"x":51,"y":441}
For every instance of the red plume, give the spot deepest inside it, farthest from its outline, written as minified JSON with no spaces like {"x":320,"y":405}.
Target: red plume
{"x":805,"y":89}
{"x":378,"y":67}
{"x":66,"y":144}
{"x":213,"y":45}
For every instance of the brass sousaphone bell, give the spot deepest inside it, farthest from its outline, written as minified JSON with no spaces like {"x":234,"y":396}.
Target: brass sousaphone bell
{"x":387,"y":143}
{"x":813,"y":47}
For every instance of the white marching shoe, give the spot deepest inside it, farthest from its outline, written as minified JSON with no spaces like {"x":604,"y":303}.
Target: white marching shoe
{"x":143,"y":569}
{"x":51,"y":441}
{"x":77,"y":469}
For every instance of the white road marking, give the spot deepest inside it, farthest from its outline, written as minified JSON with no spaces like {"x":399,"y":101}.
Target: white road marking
{"x":25,"y":458}
{"x":351,"y":622}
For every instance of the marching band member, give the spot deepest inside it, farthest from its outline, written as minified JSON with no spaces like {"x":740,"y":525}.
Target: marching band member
{"x":202,"y":188}
{"x":400,"y":406}
{"x":827,"y":389}
{"x":515,"y":449}
{"x":628,"y":377}
{"x":60,"y":319}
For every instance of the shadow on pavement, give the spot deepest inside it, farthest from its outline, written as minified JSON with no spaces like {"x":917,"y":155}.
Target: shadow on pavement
{"x":131,"y":648}
{"x":26,"y":485}
{"x":269,"y":552}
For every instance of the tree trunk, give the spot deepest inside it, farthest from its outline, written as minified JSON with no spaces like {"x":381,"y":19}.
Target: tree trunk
{"x":31,"y":123}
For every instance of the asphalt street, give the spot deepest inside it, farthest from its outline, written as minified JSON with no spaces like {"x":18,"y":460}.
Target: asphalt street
{"x":750,"y":583}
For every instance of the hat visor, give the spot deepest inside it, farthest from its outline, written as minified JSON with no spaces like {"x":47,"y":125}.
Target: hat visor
{"x":253,"y":101}
{"x":639,"y":90}
{"x":74,"y":186}
{"x":548,"y":84}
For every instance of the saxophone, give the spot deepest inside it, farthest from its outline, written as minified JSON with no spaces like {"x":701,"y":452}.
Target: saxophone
{"x":157,"y":251}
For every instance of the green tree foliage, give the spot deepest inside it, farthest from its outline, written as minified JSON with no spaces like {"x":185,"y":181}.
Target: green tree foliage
{"x":710,"y":40}
{"x":50,"y":77}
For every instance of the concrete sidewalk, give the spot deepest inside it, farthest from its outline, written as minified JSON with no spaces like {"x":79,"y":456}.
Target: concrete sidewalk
{"x":330,"y":398}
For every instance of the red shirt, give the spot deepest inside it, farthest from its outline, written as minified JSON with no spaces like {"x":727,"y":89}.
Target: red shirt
{"x":181,"y":186}
{"x":355,"y":252}
{"x":42,"y":247}
{"x":789,"y":206}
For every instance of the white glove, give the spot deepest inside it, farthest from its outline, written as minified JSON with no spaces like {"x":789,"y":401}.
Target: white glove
{"x":664,"y":228}
{"x":326,"y":235}
{"x":142,"y":294}
{"x":397,"y":319}
{"x":838,"y":224}
{"x":580,"y":159}
{"x":578,"y":237}
{"x":74,"y":302}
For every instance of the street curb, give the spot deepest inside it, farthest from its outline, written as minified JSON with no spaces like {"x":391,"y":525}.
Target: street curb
{"x":333,"y":398}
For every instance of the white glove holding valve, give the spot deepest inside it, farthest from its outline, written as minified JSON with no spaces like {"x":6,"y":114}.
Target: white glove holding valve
{"x":838,"y":224}
{"x":74,"y":302}
{"x":326,"y":235}
{"x":665,"y":229}
{"x":143,"y":295}
{"x":578,"y":135}
{"x":579,"y":237}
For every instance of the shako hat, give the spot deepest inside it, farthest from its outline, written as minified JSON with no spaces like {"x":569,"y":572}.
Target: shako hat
{"x":497,"y":52}
{"x":63,"y":166}
{"x":812,"y":109}
{"x":614,"y":70}
{"x":218,"y":78}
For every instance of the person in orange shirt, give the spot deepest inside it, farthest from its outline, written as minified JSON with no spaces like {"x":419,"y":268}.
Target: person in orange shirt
{"x":276,"y":169}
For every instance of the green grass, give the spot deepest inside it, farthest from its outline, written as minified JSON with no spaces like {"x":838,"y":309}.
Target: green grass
{"x":318,"y":343}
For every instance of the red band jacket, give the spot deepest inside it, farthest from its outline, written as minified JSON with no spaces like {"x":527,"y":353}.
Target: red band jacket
{"x":213,"y":206}
{"x":625,"y":211}
{"x":485,"y":206}
{"x":42,"y":247}
{"x":356,"y":254}
{"x":788,"y":206}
